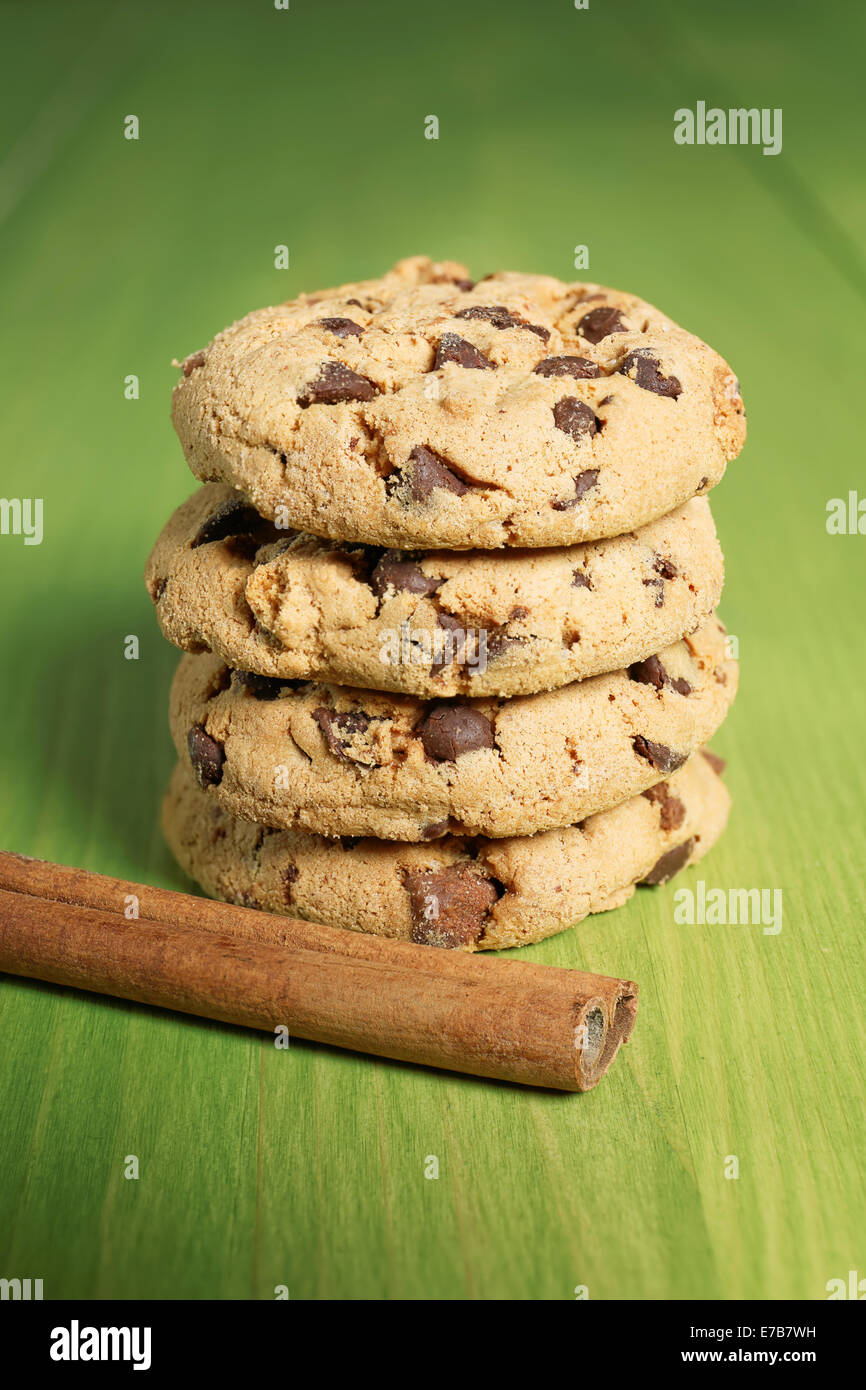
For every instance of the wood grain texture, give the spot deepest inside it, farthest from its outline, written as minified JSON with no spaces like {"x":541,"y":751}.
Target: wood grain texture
{"x":306,"y":1168}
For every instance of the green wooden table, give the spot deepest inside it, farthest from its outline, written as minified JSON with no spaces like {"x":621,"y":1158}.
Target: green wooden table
{"x":259,"y":127}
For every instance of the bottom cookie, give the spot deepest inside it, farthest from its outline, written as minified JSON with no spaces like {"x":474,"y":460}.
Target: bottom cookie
{"x":466,"y":894}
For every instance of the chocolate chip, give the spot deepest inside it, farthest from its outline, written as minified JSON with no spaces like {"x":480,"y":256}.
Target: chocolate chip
{"x":455,"y":650}
{"x":448,"y":907}
{"x":436,"y":830}
{"x":453,"y":348}
{"x":702,"y":484}
{"x":291,"y":874}
{"x":649,"y":672}
{"x":680,"y":685}
{"x":499,"y":642}
{"x":672,"y":812}
{"x":401,"y":575}
{"x":335,"y":383}
{"x":575,"y":418}
{"x":343,"y":328}
{"x":716,"y":763}
{"x":658,"y":585}
{"x":670,"y":863}
{"x":286,"y":541}
{"x":652,"y":672}
{"x":341,"y":729}
{"x":189,"y":364}
{"x":578,"y":367}
{"x":582,"y":483}
{"x":465,"y":285}
{"x":356,"y":302}
{"x":426,"y":470}
{"x":666,"y":568}
{"x":206,"y":756}
{"x":233,"y":518}
{"x":451,"y":622}
{"x":500,"y":317}
{"x":158,"y":590}
{"x":581,"y":580}
{"x":600,"y":323}
{"x":657,"y":755}
{"x":264,"y":687}
{"x":644,"y":370}
{"x":362,"y":558}
{"x":449,"y":731}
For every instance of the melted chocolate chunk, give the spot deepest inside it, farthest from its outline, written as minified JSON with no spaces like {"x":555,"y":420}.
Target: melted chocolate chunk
{"x":189,"y":364}
{"x":658,"y":755}
{"x":652,"y":672}
{"x":666,"y":568}
{"x":290,"y":876}
{"x":575,"y":418}
{"x":449,"y":906}
{"x":644,"y":369}
{"x":581,"y":580}
{"x":670,"y":863}
{"x":456,"y":650}
{"x":436,"y":830}
{"x":716,"y":763}
{"x":600,"y":323}
{"x":500,"y":317}
{"x":649,"y":672}
{"x":582,"y":483}
{"x":336,"y":383}
{"x":499,"y":642}
{"x":233,"y":518}
{"x":206,"y":757}
{"x":449,"y":731}
{"x":578,"y":367}
{"x":672,"y":812}
{"x":342,"y":328}
{"x":453,"y":348}
{"x":264,"y":687}
{"x":658,"y":585}
{"x":158,"y":590}
{"x":402,"y":575}
{"x":341,"y":729}
{"x":424,"y":471}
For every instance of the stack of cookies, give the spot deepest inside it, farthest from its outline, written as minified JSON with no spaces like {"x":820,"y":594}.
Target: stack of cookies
{"x":448,"y":596}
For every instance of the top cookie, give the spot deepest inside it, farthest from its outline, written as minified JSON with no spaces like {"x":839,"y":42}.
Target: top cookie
{"x":423,"y":410}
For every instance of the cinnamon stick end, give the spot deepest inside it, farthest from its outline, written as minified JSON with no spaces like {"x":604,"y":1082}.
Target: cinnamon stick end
{"x":604,"y":1025}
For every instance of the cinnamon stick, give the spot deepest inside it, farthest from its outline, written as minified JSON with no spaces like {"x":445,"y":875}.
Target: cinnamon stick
{"x":517,"y":1021}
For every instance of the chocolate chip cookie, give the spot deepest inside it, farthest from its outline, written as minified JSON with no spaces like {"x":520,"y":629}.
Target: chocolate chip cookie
{"x":463,"y":894}
{"x":436,"y":623}
{"x":343,"y":761}
{"x":422,"y":410}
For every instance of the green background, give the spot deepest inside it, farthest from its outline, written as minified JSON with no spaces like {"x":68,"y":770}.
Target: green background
{"x":305,"y":127}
